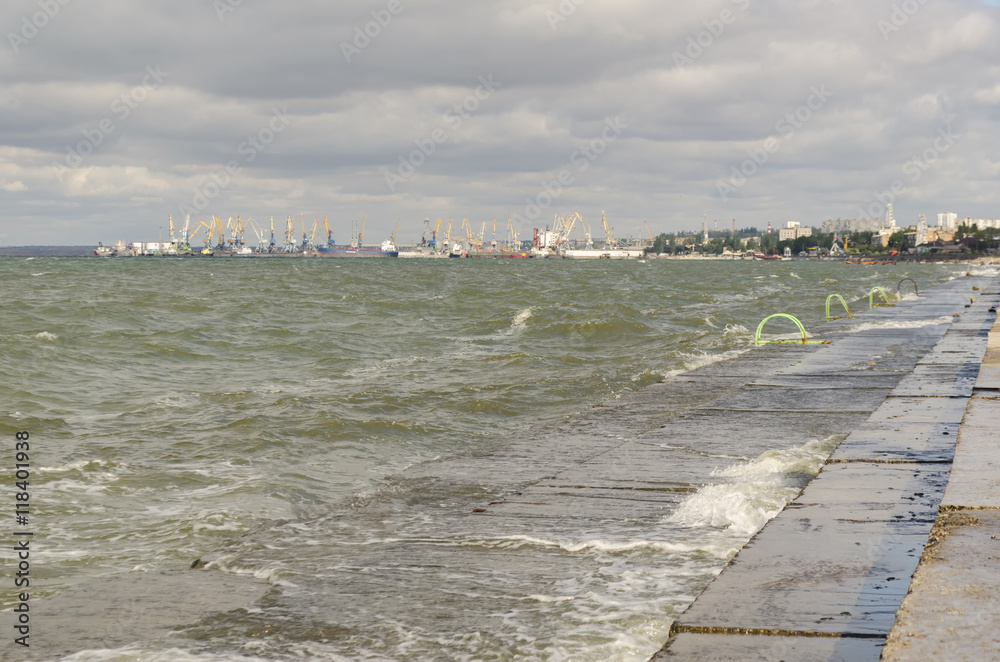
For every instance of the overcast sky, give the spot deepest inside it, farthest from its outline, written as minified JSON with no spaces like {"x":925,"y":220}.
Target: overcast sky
{"x":116,"y":115}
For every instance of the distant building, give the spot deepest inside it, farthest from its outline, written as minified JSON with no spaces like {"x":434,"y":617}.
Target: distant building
{"x":792,"y":230}
{"x":981,"y":223}
{"x":881,"y":238}
{"x":948,"y":220}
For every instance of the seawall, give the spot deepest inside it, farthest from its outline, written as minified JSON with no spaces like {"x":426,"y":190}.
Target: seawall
{"x":829,"y":578}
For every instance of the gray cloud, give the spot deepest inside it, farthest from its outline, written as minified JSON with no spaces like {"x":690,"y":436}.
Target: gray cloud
{"x":701,"y":87}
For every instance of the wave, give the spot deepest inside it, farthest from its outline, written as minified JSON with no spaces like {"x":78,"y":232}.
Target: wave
{"x":754,"y":492}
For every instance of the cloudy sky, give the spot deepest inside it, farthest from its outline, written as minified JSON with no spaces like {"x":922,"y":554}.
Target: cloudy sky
{"x":116,"y":115}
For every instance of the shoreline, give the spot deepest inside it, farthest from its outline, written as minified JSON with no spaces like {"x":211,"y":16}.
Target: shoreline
{"x":829,"y":578}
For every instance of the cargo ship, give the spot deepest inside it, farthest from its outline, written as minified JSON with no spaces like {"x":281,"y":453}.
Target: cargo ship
{"x":387,"y":249}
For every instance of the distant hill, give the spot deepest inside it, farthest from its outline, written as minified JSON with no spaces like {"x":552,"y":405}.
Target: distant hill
{"x":46,"y":251}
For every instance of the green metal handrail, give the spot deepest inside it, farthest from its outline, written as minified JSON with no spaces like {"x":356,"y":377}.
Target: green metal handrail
{"x":871,"y":297}
{"x":802,"y":330}
{"x":844,"y":303}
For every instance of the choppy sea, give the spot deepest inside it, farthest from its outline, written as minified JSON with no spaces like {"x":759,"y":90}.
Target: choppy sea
{"x":176,"y":404}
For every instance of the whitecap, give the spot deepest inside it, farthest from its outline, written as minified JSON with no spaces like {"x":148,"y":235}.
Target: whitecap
{"x":755,"y":491}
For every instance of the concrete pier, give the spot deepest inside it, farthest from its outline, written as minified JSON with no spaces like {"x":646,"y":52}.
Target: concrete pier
{"x":825,"y":579}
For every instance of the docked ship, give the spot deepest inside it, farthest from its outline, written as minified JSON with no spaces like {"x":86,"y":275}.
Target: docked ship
{"x":387,"y":249}
{"x":603,"y":253}
{"x":612,"y":249}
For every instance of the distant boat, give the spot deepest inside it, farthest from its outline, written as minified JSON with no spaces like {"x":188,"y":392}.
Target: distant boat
{"x":603,"y":253}
{"x":387,"y":249}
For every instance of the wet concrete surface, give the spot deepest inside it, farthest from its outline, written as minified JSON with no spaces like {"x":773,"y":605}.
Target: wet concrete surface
{"x":952,"y":611}
{"x":117,"y":610}
{"x":825,"y":579}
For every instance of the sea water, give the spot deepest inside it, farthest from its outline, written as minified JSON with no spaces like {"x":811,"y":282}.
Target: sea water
{"x":177,"y":404}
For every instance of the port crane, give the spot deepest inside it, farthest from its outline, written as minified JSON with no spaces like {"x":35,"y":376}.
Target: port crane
{"x":289,"y":245}
{"x":396,"y":231}
{"x":513,"y":234}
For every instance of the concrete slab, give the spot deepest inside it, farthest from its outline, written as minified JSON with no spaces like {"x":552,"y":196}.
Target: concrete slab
{"x":975,"y":473}
{"x":857,"y":380}
{"x":566,"y":504}
{"x":989,"y":378}
{"x":939,"y":381}
{"x":957,"y":354}
{"x":117,"y":610}
{"x":717,"y":433}
{"x":788,"y":399}
{"x":752,"y":364}
{"x":920,"y":410}
{"x":983,"y":413}
{"x":837,"y":561}
{"x":859,"y":361}
{"x":953,"y":610}
{"x":899,"y":442}
{"x":753,"y":647}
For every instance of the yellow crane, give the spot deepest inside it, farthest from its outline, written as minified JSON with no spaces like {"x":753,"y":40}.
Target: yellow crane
{"x":468,"y":232}
{"x":208,"y":236}
{"x":329,"y":233}
{"x":650,"y":232}
{"x":609,"y":237}
{"x":394,"y":232}
{"x":447,"y":235}
{"x":512,"y":231}
{"x":436,"y":247}
{"x":312,"y":234}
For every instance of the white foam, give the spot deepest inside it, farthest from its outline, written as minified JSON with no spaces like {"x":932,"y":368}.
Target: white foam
{"x":79,"y":465}
{"x":521,"y":319}
{"x":608,"y":546}
{"x":700,"y":360}
{"x":171,"y":655}
{"x":754,"y":491}
{"x":552,"y":598}
{"x":45,"y":335}
{"x":900,"y":324}
{"x":736,"y":330}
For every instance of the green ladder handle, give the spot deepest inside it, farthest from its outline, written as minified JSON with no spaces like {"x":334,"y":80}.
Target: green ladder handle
{"x":802,"y":330}
{"x":844,"y":303}
{"x":916,"y":290}
{"x":871,"y":296}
